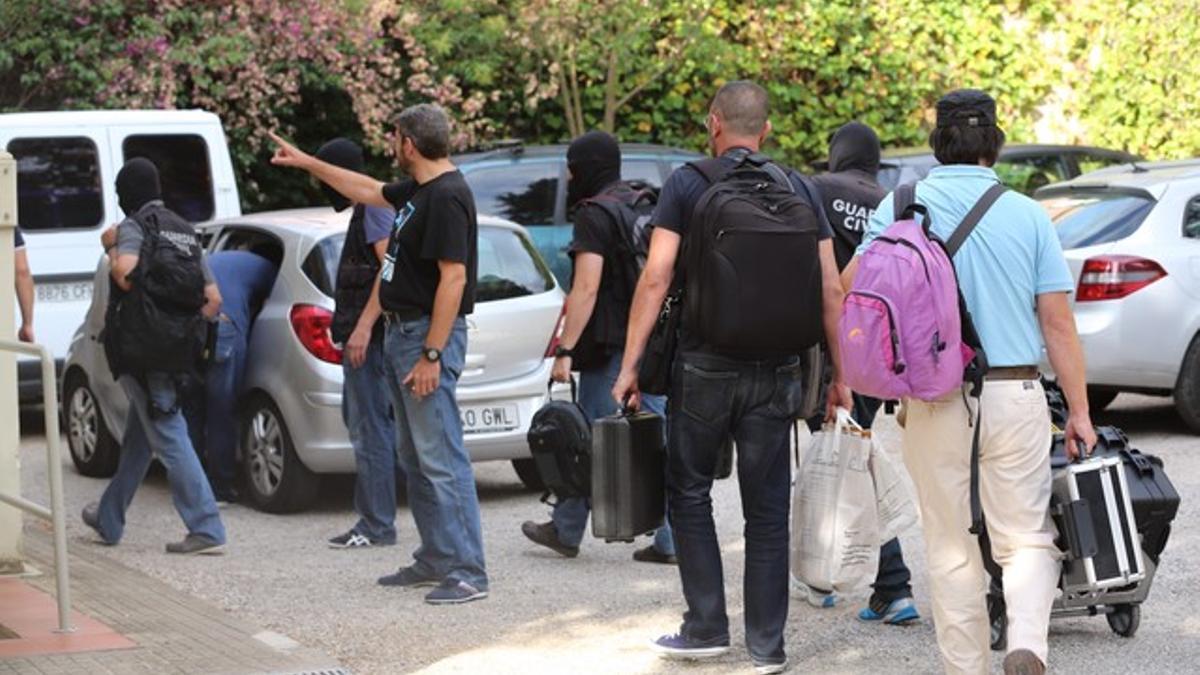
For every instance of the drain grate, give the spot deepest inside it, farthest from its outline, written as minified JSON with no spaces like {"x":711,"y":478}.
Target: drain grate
{"x":7,"y":633}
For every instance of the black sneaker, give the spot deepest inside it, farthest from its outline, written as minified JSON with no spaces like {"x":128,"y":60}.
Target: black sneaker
{"x":407,"y":577}
{"x":454,"y":592}
{"x":353,"y":539}
{"x":653,"y":555}
{"x":679,"y":646}
{"x":91,"y":518}
{"x":545,"y":534}
{"x":196,"y":544}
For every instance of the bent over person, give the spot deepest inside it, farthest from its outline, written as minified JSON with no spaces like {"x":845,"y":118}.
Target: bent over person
{"x":425,"y":288}
{"x":162,"y":292}
{"x":1016,"y":283}
{"x":738,"y":368}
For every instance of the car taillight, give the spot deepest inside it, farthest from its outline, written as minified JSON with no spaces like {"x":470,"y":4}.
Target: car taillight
{"x":312,"y":324}
{"x":557,"y":334}
{"x":1109,"y":277}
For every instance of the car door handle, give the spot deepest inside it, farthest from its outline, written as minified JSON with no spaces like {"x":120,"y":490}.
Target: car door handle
{"x":474,"y":365}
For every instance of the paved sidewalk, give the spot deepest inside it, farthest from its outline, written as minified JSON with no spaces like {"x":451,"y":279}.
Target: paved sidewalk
{"x":170,"y":631}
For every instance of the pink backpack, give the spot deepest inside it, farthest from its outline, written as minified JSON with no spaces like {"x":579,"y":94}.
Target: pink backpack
{"x":905,"y":330}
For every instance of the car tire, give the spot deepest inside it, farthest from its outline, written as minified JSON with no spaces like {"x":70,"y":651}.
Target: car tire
{"x":93,"y":449}
{"x":1099,"y":399}
{"x":527,"y":471}
{"x":275,"y":478}
{"x":1187,"y":388}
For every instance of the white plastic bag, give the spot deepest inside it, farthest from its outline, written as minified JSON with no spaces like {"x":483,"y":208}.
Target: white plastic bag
{"x":835,"y":526}
{"x":893,"y":501}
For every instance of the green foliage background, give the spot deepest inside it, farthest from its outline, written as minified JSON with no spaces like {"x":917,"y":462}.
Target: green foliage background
{"x":1116,"y":73}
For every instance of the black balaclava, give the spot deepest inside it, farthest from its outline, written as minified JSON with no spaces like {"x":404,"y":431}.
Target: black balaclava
{"x":855,"y":146}
{"x":346,"y":154}
{"x":595,"y":163}
{"x":137,"y":184}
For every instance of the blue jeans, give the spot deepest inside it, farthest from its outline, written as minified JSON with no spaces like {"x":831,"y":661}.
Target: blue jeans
{"x":570,"y":515}
{"x":222,"y":384}
{"x":893,"y":579}
{"x":756,"y":402}
{"x":155,"y":424}
{"x":367,"y":412}
{"x":441,"y":483}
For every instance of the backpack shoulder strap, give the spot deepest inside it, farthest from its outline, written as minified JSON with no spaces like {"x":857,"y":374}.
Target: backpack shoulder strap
{"x":904,"y":197}
{"x":711,"y":169}
{"x":972,"y":218}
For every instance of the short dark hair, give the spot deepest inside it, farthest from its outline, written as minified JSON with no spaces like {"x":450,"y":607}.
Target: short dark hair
{"x":428,"y":127}
{"x":743,"y":106}
{"x":966,"y":144}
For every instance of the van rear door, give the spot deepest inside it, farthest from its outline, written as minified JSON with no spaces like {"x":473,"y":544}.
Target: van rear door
{"x":63,"y":176}
{"x":193,"y":164}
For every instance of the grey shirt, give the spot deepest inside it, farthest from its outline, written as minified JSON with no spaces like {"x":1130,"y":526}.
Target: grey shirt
{"x":130,"y":236}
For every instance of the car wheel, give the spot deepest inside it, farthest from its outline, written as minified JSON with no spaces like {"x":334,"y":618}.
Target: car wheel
{"x":1187,"y":389}
{"x":276,"y":480}
{"x":1099,"y":399}
{"x":527,"y":471}
{"x":93,"y":449}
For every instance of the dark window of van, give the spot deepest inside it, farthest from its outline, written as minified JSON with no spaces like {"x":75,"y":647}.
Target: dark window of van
{"x":58,"y":183}
{"x":183,"y":168}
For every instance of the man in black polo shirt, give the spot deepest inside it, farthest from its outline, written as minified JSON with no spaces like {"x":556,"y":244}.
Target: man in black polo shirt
{"x":714,"y":394}
{"x":425,"y":288}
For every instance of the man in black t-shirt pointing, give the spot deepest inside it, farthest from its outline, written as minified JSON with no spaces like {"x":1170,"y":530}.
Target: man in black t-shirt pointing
{"x":425,"y":288}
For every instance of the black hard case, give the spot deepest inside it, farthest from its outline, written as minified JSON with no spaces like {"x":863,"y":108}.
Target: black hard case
{"x":628,"y":481}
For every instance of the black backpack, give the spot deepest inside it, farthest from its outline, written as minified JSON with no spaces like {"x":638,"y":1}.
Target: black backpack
{"x":560,"y":440}
{"x":157,"y":325}
{"x":630,"y":207}
{"x":753,"y":271}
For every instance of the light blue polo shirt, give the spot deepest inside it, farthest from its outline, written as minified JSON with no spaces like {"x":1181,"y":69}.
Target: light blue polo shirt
{"x":1012,"y":257}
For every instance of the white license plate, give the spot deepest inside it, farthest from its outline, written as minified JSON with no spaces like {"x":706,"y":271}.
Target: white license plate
{"x":71,"y":291}
{"x":479,"y":419}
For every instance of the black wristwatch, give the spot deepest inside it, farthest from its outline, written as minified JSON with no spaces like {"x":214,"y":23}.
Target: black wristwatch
{"x":432,"y":354}
{"x":561,"y":351}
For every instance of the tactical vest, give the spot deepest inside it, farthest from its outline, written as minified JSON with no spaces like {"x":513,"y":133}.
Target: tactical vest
{"x":357,"y":269}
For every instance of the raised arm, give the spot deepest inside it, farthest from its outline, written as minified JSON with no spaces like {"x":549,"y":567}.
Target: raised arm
{"x":354,"y":186}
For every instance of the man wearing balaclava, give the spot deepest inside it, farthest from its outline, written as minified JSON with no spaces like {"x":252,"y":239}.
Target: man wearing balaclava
{"x":850,"y":193}
{"x":154,"y":425}
{"x":366,"y":401}
{"x":597,"y":311}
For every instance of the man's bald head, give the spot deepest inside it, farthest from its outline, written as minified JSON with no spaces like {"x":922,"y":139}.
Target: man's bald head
{"x":742,"y":106}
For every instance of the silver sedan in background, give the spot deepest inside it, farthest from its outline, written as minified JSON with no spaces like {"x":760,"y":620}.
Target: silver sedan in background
{"x":291,"y":426}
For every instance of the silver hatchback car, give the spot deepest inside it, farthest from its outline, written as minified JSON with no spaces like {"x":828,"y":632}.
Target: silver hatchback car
{"x":291,"y":405}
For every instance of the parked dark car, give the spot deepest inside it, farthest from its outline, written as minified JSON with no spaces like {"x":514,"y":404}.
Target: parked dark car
{"x":528,"y":185}
{"x":1024,"y":167}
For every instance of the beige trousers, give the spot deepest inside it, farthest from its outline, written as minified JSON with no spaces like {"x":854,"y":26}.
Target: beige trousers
{"x":1014,"y":477}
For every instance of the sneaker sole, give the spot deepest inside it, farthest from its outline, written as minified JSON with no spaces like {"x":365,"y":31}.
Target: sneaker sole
{"x":688,"y":654}
{"x":457,"y":601}
{"x":420,"y":584}
{"x":211,"y":550}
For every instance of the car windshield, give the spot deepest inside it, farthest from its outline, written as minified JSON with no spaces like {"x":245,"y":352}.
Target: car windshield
{"x":508,"y":265}
{"x":1092,"y":218}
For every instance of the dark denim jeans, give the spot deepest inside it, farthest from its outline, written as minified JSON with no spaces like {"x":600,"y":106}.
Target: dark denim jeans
{"x":892,"y":581}
{"x":756,"y":402}
{"x":570,"y":515}
{"x":222,"y":383}
{"x":367,"y":412}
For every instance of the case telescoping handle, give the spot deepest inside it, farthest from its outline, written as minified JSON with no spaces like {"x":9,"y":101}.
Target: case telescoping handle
{"x":574,"y":389}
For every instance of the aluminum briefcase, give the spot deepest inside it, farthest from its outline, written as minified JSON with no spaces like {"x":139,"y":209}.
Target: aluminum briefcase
{"x":628,"y":476}
{"x":1095,"y":516}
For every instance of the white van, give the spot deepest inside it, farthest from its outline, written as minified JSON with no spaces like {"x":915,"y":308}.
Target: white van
{"x":67,"y":164}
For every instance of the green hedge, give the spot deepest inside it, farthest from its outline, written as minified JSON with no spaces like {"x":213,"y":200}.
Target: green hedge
{"x":1117,"y":73}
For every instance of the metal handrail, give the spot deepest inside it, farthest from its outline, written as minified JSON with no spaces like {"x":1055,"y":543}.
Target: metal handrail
{"x":55,"y":514}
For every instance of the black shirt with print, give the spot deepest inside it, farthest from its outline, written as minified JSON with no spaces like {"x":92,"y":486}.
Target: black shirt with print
{"x":434,"y":221}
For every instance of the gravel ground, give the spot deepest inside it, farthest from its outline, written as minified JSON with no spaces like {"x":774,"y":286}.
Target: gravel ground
{"x":593,"y":614}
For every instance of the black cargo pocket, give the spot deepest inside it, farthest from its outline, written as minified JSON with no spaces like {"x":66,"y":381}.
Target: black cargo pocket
{"x":787,"y":401}
{"x":707,"y":395}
